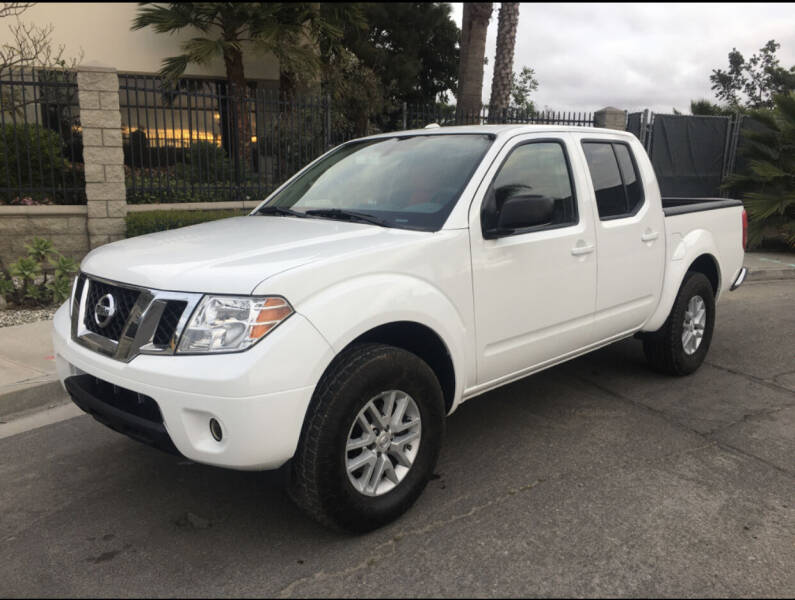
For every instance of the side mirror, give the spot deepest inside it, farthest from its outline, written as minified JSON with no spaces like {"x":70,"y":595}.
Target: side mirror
{"x":522,"y":211}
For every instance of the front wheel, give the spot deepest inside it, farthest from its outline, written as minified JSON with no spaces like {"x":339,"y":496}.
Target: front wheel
{"x":371,"y":438}
{"x":681,"y":344}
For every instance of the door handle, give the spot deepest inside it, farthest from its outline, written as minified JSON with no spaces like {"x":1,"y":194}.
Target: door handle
{"x":649,"y":236}
{"x":583,"y":249}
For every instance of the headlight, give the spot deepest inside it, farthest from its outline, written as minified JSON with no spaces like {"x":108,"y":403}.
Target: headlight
{"x":232,"y":323}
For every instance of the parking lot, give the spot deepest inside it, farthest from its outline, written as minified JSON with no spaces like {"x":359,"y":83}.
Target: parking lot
{"x":597,"y":477}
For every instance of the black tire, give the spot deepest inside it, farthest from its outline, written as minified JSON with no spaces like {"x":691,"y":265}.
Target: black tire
{"x":663,"y":348}
{"x":318,"y":480}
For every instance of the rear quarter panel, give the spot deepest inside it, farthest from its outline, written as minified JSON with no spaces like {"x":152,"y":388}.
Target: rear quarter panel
{"x":688,"y":236}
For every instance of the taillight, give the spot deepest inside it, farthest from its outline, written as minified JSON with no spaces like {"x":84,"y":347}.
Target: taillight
{"x":745,"y":229}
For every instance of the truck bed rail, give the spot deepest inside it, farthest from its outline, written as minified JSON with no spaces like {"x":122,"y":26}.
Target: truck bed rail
{"x":681,"y":206}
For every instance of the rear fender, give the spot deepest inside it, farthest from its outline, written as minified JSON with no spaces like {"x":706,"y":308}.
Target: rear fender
{"x":682,"y":252}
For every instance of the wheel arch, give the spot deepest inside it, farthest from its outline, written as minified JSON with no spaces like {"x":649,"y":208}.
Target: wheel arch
{"x":697,"y":252}
{"x":422,"y":341}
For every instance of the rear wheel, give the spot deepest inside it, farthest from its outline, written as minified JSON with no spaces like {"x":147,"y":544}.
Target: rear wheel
{"x":681,"y":344}
{"x":370,"y":440}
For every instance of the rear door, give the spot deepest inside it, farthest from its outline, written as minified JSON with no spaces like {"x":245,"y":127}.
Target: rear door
{"x":630,"y":236}
{"x":534,"y":289}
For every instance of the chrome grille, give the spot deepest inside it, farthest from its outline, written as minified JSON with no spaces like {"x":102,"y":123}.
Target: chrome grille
{"x":144,"y":320}
{"x":125,"y":299}
{"x":169,"y":322}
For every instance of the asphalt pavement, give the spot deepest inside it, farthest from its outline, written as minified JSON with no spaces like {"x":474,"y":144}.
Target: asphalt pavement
{"x":594,"y":478}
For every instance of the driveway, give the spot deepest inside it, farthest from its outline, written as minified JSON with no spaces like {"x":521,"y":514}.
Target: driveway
{"x":598,"y":477}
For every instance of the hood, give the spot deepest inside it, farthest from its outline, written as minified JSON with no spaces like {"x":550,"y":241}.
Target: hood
{"x":232,"y":256}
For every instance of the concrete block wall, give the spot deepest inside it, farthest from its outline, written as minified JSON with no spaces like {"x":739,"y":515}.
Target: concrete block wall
{"x":611,"y":118}
{"x":65,"y":226}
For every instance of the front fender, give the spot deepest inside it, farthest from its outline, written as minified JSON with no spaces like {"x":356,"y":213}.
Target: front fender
{"x":682,"y":252}
{"x":344,"y":311}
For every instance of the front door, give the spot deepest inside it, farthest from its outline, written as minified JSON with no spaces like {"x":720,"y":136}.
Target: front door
{"x":534,"y":288}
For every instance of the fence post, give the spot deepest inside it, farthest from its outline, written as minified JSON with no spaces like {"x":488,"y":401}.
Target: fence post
{"x":100,"y":118}
{"x":328,"y":122}
{"x":405,"y":117}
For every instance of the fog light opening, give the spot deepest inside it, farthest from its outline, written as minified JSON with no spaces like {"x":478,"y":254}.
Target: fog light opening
{"x":215,"y":430}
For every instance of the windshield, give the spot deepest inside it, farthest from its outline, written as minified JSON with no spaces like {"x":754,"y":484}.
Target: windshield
{"x":407,"y":182}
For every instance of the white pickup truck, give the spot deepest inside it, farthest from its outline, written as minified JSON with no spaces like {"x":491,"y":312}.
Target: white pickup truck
{"x":333,"y":329}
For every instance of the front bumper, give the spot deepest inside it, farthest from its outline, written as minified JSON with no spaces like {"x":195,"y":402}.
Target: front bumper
{"x":259,"y":396}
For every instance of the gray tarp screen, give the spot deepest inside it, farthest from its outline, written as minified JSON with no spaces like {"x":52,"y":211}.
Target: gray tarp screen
{"x":633,"y":123}
{"x":688,"y":154}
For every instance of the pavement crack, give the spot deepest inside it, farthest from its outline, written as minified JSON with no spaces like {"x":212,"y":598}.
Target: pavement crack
{"x":746,"y":417}
{"x":707,"y":436}
{"x":387,"y":548}
{"x":770,"y":384}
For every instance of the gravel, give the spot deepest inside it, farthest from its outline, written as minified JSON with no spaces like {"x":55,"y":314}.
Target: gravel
{"x":18,"y":316}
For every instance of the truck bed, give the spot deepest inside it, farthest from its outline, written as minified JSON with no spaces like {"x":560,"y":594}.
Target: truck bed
{"x":680,"y":206}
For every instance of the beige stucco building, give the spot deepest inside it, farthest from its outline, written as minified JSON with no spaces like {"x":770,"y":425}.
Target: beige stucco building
{"x":102,"y":31}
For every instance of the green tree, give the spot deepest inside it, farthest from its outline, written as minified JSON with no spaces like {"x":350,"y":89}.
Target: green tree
{"x":752,"y":83}
{"x":768,"y":182}
{"x":707,"y":108}
{"x":522,"y":85}
{"x":410,"y":47}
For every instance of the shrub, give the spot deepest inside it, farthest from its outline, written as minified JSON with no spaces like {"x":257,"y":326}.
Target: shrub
{"x":154,"y":186}
{"x":41,"y":278}
{"x":767,"y":183}
{"x":204,"y":161}
{"x":139,"y":223}
{"x":32,"y":156}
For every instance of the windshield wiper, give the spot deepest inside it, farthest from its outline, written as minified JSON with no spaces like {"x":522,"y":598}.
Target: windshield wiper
{"x":281,"y":211}
{"x":347,"y":215}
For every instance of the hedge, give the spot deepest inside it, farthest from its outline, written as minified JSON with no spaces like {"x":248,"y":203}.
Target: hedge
{"x":139,"y":223}
{"x":31,"y":156}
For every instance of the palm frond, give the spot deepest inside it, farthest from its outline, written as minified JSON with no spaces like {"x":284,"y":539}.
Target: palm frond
{"x":168,"y":18}
{"x":174,"y":66}
{"x":766,"y":171}
{"x":203,"y":50}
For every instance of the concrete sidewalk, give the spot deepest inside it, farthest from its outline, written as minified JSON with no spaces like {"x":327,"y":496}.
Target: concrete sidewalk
{"x":27,"y":369}
{"x":27,"y":365}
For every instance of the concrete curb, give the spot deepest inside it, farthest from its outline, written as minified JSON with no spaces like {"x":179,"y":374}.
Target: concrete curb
{"x":30,"y":395}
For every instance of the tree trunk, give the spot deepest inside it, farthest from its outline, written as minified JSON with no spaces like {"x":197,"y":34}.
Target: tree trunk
{"x":503,"y":62}
{"x":475,"y":23}
{"x":240,"y":144}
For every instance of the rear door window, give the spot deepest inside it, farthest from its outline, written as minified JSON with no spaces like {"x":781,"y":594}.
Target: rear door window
{"x":617,"y":187}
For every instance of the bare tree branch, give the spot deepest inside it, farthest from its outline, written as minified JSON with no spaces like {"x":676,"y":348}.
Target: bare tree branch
{"x":14,"y":9}
{"x":30,"y":48}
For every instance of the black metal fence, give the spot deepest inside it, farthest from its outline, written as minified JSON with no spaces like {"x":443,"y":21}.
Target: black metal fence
{"x":415,"y":117}
{"x":41,"y":148}
{"x":199,"y":141}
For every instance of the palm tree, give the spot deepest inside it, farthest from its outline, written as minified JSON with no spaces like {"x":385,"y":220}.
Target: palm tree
{"x":474,"y":25}
{"x":768,"y":182}
{"x":503,"y":62}
{"x":283,"y":29}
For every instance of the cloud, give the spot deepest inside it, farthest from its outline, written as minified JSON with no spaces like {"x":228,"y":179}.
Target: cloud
{"x":635,"y":56}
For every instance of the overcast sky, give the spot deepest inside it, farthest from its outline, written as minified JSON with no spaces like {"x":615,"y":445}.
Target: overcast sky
{"x":635,"y":56}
